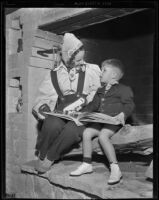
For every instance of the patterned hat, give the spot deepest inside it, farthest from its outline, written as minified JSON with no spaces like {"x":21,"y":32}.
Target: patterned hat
{"x":70,"y":45}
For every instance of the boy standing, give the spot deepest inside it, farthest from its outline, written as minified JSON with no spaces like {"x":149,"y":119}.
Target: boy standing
{"x":112,"y":99}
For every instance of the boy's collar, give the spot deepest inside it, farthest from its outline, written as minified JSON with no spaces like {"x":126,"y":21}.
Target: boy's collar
{"x":113,"y":82}
{"x":110,"y":84}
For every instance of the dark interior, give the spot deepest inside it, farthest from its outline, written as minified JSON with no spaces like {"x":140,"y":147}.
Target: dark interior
{"x":130,"y":39}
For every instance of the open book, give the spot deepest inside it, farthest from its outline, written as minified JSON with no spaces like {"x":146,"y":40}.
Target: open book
{"x":79,"y":117}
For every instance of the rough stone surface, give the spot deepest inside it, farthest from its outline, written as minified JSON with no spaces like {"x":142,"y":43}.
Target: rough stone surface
{"x":136,"y":139}
{"x":149,"y":171}
{"x":57,"y":184}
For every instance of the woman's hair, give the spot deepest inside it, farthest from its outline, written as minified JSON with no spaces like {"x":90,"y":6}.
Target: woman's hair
{"x":70,"y":62}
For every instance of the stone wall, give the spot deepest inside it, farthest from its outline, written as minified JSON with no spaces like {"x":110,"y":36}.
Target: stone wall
{"x":15,"y":142}
{"x":23,"y":65}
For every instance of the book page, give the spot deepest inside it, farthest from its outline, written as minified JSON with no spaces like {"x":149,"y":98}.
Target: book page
{"x":79,"y":117}
{"x":66,"y":116}
{"x":98,"y":117}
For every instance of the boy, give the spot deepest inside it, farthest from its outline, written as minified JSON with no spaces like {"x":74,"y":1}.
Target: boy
{"x":112,"y":99}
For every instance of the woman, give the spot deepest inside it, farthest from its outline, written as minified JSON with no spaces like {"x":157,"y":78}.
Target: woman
{"x":72,"y":80}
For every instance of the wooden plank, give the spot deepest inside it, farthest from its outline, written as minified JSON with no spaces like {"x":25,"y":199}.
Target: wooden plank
{"x":41,"y":63}
{"x":36,"y":54}
{"x":49,"y":36}
{"x":43,"y":43}
{"x":52,"y":15}
{"x":80,"y":20}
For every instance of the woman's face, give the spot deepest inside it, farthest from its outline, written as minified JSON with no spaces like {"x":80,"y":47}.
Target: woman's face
{"x":79,"y":59}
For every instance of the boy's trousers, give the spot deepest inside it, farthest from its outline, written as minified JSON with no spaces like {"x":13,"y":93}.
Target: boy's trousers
{"x":56,"y":137}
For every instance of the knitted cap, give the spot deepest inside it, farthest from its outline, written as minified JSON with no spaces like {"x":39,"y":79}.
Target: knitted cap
{"x":70,"y":45}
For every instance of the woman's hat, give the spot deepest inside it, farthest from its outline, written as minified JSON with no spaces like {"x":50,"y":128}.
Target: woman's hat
{"x":70,"y":45}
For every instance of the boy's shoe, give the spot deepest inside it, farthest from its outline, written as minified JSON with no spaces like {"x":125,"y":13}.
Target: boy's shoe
{"x":42,"y":166}
{"x":84,"y":168}
{"x":115,"y":175}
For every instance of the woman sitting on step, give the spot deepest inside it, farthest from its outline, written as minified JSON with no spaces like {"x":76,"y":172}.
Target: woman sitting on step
{"x":72,"y":80}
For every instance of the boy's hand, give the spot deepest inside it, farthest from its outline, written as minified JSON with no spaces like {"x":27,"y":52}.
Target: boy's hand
{"x":121,"y":118}
{"x":69,"y":112}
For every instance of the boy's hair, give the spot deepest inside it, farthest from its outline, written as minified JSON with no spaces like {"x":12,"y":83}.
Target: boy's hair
{"x":116,"y":64}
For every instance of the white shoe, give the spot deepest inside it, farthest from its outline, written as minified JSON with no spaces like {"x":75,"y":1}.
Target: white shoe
{"x":115,"y":175}
{"x":84,"y":168}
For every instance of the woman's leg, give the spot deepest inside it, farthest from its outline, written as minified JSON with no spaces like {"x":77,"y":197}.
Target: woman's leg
{"x":70,"y":135}
{"x":51,"y":129}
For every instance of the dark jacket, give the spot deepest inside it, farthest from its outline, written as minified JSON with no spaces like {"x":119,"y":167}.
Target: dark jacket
{"x":119,"y":98}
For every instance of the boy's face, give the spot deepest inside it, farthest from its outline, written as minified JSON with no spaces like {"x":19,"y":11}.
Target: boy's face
{"x":108,"y":73}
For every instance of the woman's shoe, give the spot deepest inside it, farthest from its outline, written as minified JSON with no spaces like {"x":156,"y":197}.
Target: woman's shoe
{"x":43,"y":166}
{"x":84,"y":168}
{"x":115,"y":175}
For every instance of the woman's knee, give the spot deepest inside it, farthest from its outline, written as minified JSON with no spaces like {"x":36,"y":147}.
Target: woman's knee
{"x":72,"y":129}
{"x":72,"y":137}
{"x":52,"y":123}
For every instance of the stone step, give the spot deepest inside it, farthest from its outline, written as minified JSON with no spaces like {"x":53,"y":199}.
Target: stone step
{"x":58,"y":183}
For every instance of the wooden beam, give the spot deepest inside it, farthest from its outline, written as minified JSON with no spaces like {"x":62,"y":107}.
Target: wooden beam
{"x":81,"y":20}
{"x":41,"y":63}
{"x":43,"y":43}
{"x":35,"y":53}
{"x":54,"y":14}
{"x":48,"y":36}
